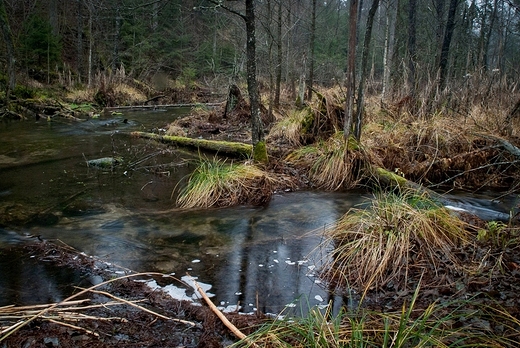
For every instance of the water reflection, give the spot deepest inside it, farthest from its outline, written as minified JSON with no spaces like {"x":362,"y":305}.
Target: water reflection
{"x":26,"y":281}
{"x":255,"y":257}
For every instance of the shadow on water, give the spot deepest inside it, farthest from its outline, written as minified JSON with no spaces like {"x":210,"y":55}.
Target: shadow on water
{"x":258,"y":257}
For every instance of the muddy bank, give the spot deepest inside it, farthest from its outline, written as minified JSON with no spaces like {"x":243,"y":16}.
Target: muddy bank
{"x":123,"y":312}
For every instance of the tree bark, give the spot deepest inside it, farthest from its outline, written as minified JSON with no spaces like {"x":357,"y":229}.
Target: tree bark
{"x":351,"y":69}
{"x":223,"y":147}
{"x":79,"y":41}
{"x":312,"y":50}
{"x":448,"y":34}
{"x":257,"y":129}
{"x":278,"y":57}
{"x":364,"y":69}
{"x":388,"y":53}
{"x":412,"y":45}
{"x":8,"y":39}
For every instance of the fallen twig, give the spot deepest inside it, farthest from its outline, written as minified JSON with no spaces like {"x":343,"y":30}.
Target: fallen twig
{"x":239,"y":334}
{"x":13,"y":328}
{"x":142,"y":308}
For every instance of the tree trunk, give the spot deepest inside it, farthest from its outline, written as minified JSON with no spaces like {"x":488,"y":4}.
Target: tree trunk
{"x":448,"y":34}
{"x":351,"y":69}
{"x":79,"y":41}
{"x":412,"y":45}
{"x":312,"y":49}
{"x":257,"y":129}
{"x":486,"y":36}
{"x":117,"y":37}
{"x":8,"y":39}
{"x":90,"y":43}
{"x":364,"y":70}
{"x":223,"y":147}
{"x":278,"y":57}
{"x":391,"y":20}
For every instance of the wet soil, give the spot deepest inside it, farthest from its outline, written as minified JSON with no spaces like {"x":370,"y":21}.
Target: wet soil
{"x":97,"y":322}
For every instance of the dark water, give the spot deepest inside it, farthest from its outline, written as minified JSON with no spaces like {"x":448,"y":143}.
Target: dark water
{"x":259,"y":257}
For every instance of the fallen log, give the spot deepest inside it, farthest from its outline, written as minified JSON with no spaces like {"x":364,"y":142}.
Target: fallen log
{"x":515,"y":151}
{"x":226,"y":147}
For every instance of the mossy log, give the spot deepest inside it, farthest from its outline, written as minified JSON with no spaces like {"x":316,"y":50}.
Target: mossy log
{"x":390,"y":179}
{"x":225,"y":147}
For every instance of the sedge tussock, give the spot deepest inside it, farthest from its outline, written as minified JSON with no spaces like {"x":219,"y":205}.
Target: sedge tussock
{"x":218,"y":183}
{"x":291,"y":128}
{"x":398,"y":236}
{"x":332,"y":164}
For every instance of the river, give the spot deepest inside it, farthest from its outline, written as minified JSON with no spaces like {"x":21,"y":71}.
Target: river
{"x":262,"y":258}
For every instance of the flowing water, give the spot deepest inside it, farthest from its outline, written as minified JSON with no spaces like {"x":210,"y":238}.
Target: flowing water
{"x":259,"y":257}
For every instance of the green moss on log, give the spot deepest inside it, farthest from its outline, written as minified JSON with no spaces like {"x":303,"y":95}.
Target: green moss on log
{"x":260,"y":152}
{"x":390,"y":178}
{"x":226,"y":147}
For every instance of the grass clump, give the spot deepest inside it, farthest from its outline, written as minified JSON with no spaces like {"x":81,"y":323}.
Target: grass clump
{"x":332,"y":164}
{"x":459,"y":323}
{"x":293,"y":127}
{"x":218,"y":183}
{"x":401,"y":236}
{"x":433,"y":325}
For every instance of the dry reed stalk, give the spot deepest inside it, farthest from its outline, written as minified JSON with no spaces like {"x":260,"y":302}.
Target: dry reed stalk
{"x":13,"y":328}
{"x":79,"y":328}
{"x":131,"y":303}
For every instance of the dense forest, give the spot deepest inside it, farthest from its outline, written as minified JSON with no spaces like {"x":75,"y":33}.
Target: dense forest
{"x":418,"y":49}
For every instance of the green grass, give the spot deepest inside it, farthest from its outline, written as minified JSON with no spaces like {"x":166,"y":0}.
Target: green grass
{"x":452,"y":324}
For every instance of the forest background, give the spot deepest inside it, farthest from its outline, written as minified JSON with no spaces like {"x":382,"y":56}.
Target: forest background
{"x":424,"y":51}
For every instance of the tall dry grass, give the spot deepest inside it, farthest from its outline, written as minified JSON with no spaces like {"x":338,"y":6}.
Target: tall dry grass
{"x":400,"y":236}
{"x":216,"y":182}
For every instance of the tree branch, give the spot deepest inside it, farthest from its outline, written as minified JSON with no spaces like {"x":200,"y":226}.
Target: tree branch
{"x":219,"y":3}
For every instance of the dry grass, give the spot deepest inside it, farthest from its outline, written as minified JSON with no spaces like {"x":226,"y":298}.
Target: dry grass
{"x":217,"y":183}
{"x":291,"y":128}
{"x":332,"y":164}
{"x":401,"y":235}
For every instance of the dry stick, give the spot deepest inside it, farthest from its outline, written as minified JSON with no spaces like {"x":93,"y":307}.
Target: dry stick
{"x":17,"y":326}
{"x":219,"y":314}
{"x":12,"y":308}
{"x":142,"y":308}
{"x":74,"y":327}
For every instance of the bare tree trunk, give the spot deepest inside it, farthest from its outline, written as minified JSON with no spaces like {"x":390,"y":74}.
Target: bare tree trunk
{"x":257,"y":129}
{"x":8,"y":39}
{"x":439,"y":6}
{"x":412,"y":44}
{"x":79,"y":41}
{"x":312,"y":49}
{"x":53,"y":17}
{"x":351,"y":69}
{"x":278,"y":56}
{"x":90,"y":42}
{"x":391,"y":20}
{"x":117,"y":37}
{"x":448,"y":34}
{"x":364,"y":70}
{"x":487,"y":36}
